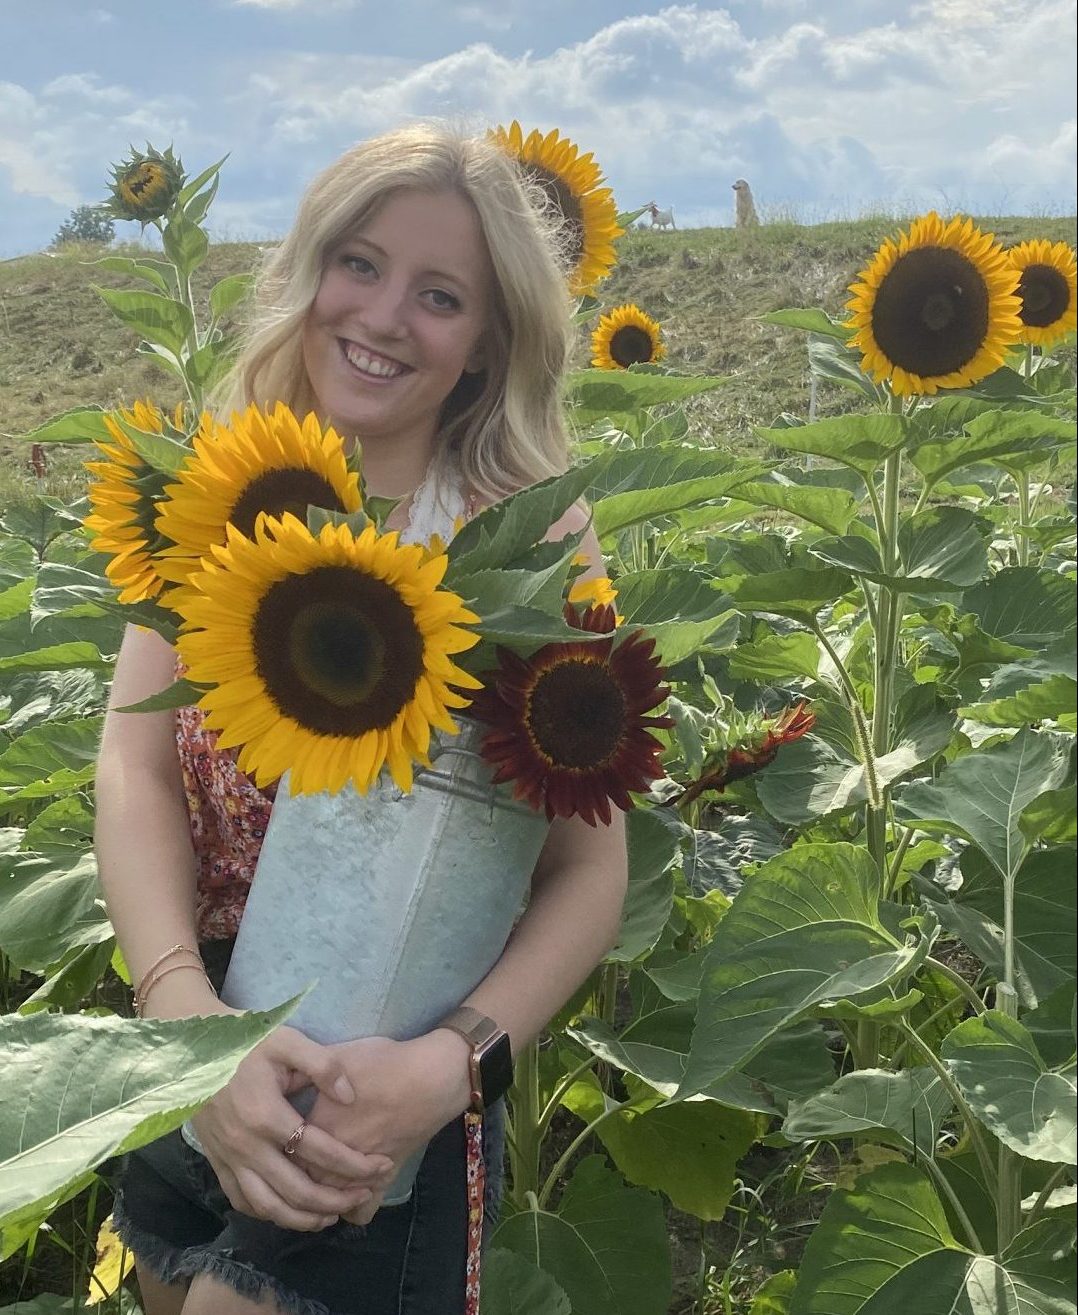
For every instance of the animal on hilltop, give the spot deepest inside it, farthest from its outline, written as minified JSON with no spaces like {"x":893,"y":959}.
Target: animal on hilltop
{"x":745,"y":215}
{"x":660,"y":218}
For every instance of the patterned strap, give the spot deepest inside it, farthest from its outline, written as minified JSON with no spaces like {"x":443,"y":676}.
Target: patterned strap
{"x":477,"y":1177}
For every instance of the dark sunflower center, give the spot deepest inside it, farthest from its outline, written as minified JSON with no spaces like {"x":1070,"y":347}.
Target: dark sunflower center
{"x":631,"y":345}
{"x":568,"y":207}
{"x":1044,"y":294}
{"x":577,"y":714}
{"x":278,"y":491}
{"x":144,"y":178}
{"x":930,"y":314}
{"x":338,"y":650}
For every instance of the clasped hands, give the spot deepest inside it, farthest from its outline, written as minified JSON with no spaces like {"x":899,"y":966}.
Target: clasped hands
{"x":378,"y":1101}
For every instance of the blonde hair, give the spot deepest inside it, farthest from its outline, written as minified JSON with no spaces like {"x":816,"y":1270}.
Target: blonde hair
{"x":504,"y":425}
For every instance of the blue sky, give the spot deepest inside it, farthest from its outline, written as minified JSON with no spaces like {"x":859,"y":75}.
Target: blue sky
{"x":828,"y":107}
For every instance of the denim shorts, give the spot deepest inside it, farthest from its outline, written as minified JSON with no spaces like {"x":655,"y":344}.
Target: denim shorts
{"x":172,"y":1213}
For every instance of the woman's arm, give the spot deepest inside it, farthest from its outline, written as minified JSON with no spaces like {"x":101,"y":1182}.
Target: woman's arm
{"x":147,"y":871}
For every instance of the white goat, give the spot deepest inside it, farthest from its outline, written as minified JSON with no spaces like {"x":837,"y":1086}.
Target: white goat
{"x":745,"y":215}
{"x":660,"y":218}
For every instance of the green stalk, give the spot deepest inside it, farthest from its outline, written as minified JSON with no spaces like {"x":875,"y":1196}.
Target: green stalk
{"x":940,"y":1179}
{"x":563,"y":1086}
{"x":1045,"y":1192}
{"x":934,"y":1062}
{"x":1021,"y":480}
{"x":1009,"y":1201}
{"x":956,"y":979}
{"x":888,"y":622}
{"x":524,"y":1150}
{"x":573,"y":1147}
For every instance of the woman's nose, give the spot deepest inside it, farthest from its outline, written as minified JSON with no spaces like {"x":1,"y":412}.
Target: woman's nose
{"x":384,"y":309}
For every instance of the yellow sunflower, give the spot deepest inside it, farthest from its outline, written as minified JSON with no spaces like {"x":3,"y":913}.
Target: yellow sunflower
{"x":259,"y":462}
{"x":1046,"y":285}
{"x":329,"y":656}
{"x":124,"y":500}
{"x":626,"y":336}
{"x":936,"y":309}
{"x":573,"y":184}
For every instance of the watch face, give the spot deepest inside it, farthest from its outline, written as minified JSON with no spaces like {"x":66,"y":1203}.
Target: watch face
{"x":496,"y":1067}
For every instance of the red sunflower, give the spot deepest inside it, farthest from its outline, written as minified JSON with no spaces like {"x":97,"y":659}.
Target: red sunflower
{"x":568,"y":724}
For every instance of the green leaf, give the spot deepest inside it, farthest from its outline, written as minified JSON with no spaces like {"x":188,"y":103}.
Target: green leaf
{"x":794,"y":1065}
{"x":69,"y":985}
{"x":863,"y":442}
{"x":49,"y":904}
{"x":58,"y":756}
{"x":207,"y":366}
{"x":1045,"y":939}
{"x":191,"y":189}
{"x":773,"y":1298}
{"x":509,"y":528}
{"x":797,"y":592}
{"x":137,"y":1081}
{"x":841,"y":365}
{"x":649,"y":898}
{"x":186,"y":245}
{"x":228,"y":293}
{"x":942,"y":548}
{"x":39,"y":521}
{"x":162,"y":452}
{"x":803,"y":931}
{"x":640,"y":484}
{"x":82,"y":424}
{"x":907,"y":1107}
{"x":811,"y":320}
{"x":162,"y":320}
{"x":689,"y":1150}
{"x":1023,"y":606}
{"x":595,"y":394}
{"x":1024,"y":436}
{"x":512,"y":1285}
{"x":1025,"y":1104}
{"x":155,"y":272}
{"x":180,"y":694}
{"x":885,"y":1248}
{"x":831,"y":509}
{"x":53,"y":657}
{"x":810,"y":778}
{"x":769,"y":657}
{"x":1053,"y":699}
{"x":606,"y":1246}
{"x":982,"y":795}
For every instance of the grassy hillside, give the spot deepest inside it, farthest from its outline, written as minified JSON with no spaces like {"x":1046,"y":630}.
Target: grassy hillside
{"x":60,"y":347}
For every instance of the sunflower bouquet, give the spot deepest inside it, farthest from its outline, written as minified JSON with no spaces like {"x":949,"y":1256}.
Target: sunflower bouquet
{"x":324,"y":648}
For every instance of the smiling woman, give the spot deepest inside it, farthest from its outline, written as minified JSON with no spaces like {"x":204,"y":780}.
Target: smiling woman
{"x":418,"y":309}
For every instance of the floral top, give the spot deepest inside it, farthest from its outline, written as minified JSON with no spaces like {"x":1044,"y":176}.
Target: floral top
{"x":229,"y":815}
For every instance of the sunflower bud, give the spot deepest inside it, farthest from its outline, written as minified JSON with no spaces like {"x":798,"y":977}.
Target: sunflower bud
{"x":145,"y":186}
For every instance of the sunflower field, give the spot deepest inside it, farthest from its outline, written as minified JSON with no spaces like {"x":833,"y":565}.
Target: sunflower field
{"x":829,"y":1067}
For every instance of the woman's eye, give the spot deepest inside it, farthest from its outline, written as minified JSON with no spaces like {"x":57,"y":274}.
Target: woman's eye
{"x":444,"y":300}
{"x":360,"y":264}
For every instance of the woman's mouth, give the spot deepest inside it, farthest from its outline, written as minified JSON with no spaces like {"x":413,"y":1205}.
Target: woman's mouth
{"x":370,"y":365}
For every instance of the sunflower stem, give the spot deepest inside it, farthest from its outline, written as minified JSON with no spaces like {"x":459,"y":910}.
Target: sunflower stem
{"x":889,"y":620}
{"x":527,"y":1137}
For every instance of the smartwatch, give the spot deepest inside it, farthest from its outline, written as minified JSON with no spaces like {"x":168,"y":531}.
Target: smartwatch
{"x":490,"y":1064}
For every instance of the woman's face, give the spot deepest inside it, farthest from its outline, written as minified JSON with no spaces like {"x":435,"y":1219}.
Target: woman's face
{"x":399,"y":314}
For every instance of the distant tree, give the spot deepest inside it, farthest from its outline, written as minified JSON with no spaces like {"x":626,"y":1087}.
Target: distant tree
{"x":86,"y":223}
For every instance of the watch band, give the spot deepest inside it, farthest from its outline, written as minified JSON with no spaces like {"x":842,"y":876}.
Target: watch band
{"x":490,"y":1061}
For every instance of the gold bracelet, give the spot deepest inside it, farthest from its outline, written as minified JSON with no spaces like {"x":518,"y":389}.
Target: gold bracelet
{"x":175,"y":949}
{"x":140,"y":999}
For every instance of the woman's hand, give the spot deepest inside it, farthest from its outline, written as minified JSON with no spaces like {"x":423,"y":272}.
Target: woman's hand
{"x":244,"y":1127}
{"x":406,"y":1091}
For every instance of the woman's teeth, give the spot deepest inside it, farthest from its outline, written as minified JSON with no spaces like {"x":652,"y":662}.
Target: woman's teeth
{"x":363,"y":362}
